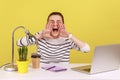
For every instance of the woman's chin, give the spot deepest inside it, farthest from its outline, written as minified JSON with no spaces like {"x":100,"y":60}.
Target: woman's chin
{"x":55,"y":36}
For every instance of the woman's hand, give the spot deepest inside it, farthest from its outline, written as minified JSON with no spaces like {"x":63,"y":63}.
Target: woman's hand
{"x":63,"y":32}
{"x":47,"y":31}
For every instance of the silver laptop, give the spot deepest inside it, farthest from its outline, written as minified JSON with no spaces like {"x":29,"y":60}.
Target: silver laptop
{"x":106,"y":58}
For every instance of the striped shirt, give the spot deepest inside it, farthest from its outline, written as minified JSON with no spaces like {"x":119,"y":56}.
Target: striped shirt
{"x":53,"y":50}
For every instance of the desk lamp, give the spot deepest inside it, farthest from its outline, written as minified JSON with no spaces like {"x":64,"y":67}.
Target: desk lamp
{"x":12,"y":67}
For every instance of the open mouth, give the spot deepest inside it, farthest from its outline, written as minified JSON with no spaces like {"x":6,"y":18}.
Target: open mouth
{"x":55,"y":32}
{"x":55,"y":29}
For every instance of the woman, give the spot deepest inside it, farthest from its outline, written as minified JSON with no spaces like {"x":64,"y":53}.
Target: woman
{"x":54,"y":43}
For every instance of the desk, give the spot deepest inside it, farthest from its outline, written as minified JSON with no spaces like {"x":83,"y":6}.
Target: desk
{"x":41,"y":74}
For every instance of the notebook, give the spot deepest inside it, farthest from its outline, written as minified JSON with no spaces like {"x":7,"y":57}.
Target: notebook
{"x":54,"y":68}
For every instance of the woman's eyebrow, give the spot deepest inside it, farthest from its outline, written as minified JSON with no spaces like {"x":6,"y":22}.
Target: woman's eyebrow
{"x":52,"y":20}
{"x":59,"y":20}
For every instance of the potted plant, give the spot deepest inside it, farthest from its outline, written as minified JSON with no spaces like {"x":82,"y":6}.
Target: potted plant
{"x":22,"y":62}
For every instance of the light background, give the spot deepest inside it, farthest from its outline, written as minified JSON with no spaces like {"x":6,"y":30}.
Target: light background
{"x":96,"y":22}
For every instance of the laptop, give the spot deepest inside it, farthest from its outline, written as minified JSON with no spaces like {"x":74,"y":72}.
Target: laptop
{"x":106,"y":58}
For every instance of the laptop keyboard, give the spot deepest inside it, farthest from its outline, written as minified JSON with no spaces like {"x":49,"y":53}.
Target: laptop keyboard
{"x":87,"y":69}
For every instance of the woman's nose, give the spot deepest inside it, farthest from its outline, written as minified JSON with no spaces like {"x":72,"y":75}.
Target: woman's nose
{"x":55,"y":24}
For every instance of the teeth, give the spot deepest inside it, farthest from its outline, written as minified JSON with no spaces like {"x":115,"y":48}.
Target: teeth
{"x":55,"y":27}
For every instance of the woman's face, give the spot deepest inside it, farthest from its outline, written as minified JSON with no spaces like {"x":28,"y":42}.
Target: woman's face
{"x":55,"y":21}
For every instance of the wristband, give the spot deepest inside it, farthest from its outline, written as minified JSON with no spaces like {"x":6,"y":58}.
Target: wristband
{"x":70,"y":36}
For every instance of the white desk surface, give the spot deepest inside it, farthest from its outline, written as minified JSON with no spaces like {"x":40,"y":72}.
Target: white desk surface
{"x":41,"y":74}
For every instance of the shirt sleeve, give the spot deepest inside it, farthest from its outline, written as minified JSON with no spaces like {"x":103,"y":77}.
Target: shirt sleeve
{"x":84,"y":49}
{"x":23,"y":41}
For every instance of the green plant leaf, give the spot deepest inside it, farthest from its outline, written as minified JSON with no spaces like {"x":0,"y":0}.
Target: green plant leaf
{"x":23,"y":51}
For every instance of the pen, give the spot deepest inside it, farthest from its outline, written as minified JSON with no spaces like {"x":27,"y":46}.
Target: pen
{"x":50,"y":67}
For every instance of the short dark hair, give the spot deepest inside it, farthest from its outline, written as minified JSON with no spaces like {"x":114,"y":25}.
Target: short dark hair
{"x":56,"y":13}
